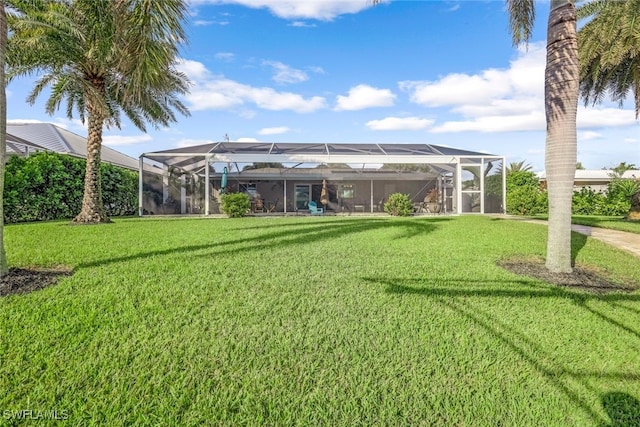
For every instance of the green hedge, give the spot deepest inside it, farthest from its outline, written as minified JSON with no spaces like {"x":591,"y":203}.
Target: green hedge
{"x":526,"y":197}
{"x":47,"y":186}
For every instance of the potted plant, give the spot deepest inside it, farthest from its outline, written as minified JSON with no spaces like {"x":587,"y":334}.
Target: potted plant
{"x":432,"y":200}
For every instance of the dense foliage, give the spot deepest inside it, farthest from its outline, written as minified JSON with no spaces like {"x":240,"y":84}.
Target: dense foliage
{"x":236,"y":205}
{"x":48,"y":186}
{"x":399,"y":205}
{"x":525,"y":196}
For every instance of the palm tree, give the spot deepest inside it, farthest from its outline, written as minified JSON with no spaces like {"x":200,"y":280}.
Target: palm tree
{"x":610,"y":51}
{"x":561,"y":103}
{"x":3,"y":132}
{"x":520,"y":166}
{"x":102,"y":58}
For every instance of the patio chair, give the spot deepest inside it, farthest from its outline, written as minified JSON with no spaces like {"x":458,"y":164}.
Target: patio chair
{"x":314,"y":209}
{"x":274,"y":206}
{"x":259,"y":206}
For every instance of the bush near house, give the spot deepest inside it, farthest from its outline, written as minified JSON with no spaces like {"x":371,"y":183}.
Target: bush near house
{"x":236,"y":205}
{"x":526,"y":197}
{"x":399,"y":205}
{"x":48,"y":186}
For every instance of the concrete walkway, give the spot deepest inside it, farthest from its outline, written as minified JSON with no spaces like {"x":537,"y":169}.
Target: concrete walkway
{"x":629,"y":242}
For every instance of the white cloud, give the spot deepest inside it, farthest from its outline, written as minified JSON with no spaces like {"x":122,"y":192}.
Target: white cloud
{"x":400,"y":123}
{"x":211,"y":92}
{"x":286,"y":74}
{"x":604,"y":117}
{"x":23,"y":121}
{"x":589,"y":135}
{"x":246,"y":140}
{"x":302,"y":24}
{"x":225,"y":56}
{"x":525,"y":122}
{"x":503,"y":100}
{"x":630,"y":140}
{"x":364,"y":96}
{"x":324,"y":10}
{"x":125,"y":140}
{"x":193,"y":69}
{"x":274,"y":130}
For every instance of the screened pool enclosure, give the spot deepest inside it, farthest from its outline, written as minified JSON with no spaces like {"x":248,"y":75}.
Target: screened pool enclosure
{"x":283,"y":178}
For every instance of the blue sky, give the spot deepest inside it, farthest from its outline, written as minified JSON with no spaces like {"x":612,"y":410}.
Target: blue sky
{"x":438,"y":72}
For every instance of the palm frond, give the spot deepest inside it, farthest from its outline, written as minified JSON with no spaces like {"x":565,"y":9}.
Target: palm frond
{"x":522,"y":15}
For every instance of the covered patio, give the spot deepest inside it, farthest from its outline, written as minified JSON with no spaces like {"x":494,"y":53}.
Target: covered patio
{"x":282,"y":178}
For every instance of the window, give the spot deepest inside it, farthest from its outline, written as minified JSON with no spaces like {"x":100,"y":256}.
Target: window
{"x":347,"y":191}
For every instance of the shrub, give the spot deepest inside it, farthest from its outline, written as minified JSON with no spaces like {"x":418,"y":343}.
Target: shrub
{"x":236,"y":205}
{"x":588,"y":202}
{"x":524,"y":196}
{"x":47,"y":186}
{"x":399,"y":205}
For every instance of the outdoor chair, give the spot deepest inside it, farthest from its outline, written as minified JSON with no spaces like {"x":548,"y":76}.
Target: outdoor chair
{"x":259,"y":206}
{"x":314,"y":209}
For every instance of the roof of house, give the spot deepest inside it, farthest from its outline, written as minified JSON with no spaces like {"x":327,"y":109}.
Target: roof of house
{"x":193,"y":158}
{"x":47,"y":136}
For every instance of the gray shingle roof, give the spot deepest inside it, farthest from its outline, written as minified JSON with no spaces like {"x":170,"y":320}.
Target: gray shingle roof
{"x":47,"y":136}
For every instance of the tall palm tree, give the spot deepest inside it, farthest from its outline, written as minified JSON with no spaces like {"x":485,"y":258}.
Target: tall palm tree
{"x":610,"y":51}
{"x":3,"y":132}
{"x":101,"y":58}
{"x":561,"y":103}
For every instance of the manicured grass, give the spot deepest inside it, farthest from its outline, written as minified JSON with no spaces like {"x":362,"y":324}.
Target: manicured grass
{"x":610,"y":222}
{"x":614,"y":223}
{"x":315,"y":321}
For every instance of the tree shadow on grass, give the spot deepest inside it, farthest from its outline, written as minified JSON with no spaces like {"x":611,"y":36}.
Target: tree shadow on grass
{"x":622,"y":408}
{"x":455,"y":294}
{"x":285,"y":234}
{"x":578,"y":240}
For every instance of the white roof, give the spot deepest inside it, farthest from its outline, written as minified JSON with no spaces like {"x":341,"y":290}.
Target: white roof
{"x":47,"y":136}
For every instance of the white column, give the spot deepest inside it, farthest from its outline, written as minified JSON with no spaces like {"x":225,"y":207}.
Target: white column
{"x":482,"y":185}
{"x":165,"y":183}
{"x":371,"y":197}
{"x":140,"y":184}
{"x":183,"y":194}
{"x":206,"y":184}
{"x":284,"y":196}
{"x":458,"y":187}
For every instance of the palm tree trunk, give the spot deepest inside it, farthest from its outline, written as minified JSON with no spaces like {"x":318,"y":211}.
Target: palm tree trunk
{"x":3,"y":132}
{"x":92,"y":207}
{"x":561,"y":103}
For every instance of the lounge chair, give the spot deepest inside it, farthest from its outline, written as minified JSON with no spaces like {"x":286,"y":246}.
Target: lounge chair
{"x":314,"y":209}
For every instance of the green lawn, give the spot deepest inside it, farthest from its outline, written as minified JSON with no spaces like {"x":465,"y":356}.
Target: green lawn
{"x":611,"y":222}
{"x":315,"y":321}
{"x":614,"y":223}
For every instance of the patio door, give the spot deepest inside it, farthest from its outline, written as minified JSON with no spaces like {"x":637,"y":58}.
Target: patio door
{"x":302,"y":196}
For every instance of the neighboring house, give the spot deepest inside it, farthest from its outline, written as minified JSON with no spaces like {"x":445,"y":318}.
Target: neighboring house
{"x":596,"y":179}
{"x":27,"y":138}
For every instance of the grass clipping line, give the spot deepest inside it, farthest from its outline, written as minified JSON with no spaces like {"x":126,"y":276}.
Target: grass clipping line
{"x":581,"y":278}
{"x":23,"y":281}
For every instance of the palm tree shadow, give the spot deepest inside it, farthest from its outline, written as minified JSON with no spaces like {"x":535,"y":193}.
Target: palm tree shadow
{"x":622,"y":408}
{"x":578,"y":240}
